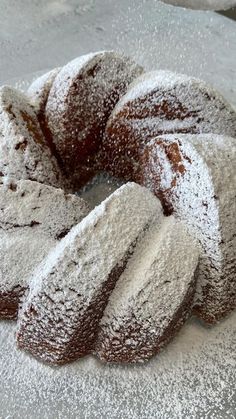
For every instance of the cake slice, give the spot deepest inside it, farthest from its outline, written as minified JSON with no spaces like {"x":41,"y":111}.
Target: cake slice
{"x":153,"y":296}
{"x":33,"y":218}
{"x":24,"y":152}
{"x":69,"y":291}
{"x":39,"y":90}
{"x":195,"y":177}
{"x":162,"y":102}
{"x":38,"y":93}
{"x":79,"y":103}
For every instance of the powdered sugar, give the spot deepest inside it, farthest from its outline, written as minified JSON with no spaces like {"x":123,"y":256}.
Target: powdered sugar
{"x":196,"y":176}
{"x":180,"y":102}
{"x":82,"y":97}
{"x":69,"y":290}
{"x":153,"y":296}
{"x":38,"y":91}
{"x":158,"y":253}
{"x":23,"y":149}
{"x":67,"y":74}
{"x":193,"y":377}
{"x":33,"y":217}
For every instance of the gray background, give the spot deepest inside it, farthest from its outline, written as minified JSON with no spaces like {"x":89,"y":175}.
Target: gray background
{"x":38,"y":35}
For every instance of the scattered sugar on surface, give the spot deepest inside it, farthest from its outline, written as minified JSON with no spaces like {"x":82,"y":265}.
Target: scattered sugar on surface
{"x":99,"y":188}
{"x":193,"y":377}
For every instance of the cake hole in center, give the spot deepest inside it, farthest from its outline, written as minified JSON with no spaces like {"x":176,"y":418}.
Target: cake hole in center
{"x":99,"y":188}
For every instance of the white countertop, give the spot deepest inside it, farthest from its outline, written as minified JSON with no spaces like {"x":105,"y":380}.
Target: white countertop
{"x":37,"y":35}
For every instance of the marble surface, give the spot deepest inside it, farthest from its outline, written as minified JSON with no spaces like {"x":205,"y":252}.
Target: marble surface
{"x":37,"y":35}
{"x":203,"y":4}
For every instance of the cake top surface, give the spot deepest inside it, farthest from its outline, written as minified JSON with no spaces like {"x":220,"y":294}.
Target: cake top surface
{"x":164,"y":102}
{"x":33,"y":217}
{"x":18,"y":116}
{"x":165,"y":80}
{"x":31,"y":204}
{"x":103,"y":74}
{"x":102,"y":236}
{"x":157,"y":276}
{"x":38,"y":91}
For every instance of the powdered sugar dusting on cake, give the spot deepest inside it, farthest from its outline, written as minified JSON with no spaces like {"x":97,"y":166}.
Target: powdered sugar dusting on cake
{"x":153,"y":296}
{"x":196,"y":178}
{"x":80,"y":101}
{"x":33,"y":218}
{"x":23,"y":149}
{"x":158,"y":254}
{"x":66,"y":75}
{"x":70,"y":289}
{"x":38,"y":91}
{"x":160,"y":79}
{"x":176,"y":103}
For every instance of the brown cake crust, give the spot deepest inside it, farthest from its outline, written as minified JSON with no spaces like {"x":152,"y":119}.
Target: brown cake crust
{"x":9,"y":303}
{"x":121,"y":353}
{"x":80,"y":101}
{"x":59,"y":320}
{"x":33,"y":218}
{"x":153,"y":297}
{"x":158,"y":103}
{"x":193,"y":175}
{"x":24,"y":152}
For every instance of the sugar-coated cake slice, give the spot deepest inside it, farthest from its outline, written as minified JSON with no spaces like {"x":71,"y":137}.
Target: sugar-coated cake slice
{"x":39,"y":90}
{"x":33,"y":218}
{"x":153,"y":297}
{"x":38,"y":93}
{"x":162,"y":102}
{"x":80,"y":101}
{"x":195,"y":177}
{"x":24,"y":153}
{"x":59,"y":320}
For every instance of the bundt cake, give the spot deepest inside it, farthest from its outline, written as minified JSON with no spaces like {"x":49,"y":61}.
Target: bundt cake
{"x":162,"y":102}
{"x":153,"y":296}
{"x":124,"y":279}
{"x":33,"y":218}
{"x":71,"y":288}
{"x":195,"y":177}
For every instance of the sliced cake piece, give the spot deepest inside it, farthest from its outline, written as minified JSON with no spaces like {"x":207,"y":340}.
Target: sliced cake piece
{"x":80,"y":101}
{"x":24,"y":153}
{"x":33,"y":218}
{"x":39,"y":90}
{"x":195,"y":177}
{"x":38,"y":93}
{"x":153,"y":296}
{"x":162,"y":102}
{"x":69,"y":291}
